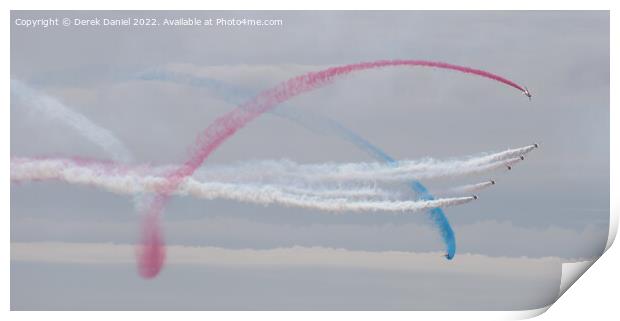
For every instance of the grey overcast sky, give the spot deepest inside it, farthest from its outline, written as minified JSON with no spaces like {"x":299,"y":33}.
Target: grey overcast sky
{"x":553,"y":205}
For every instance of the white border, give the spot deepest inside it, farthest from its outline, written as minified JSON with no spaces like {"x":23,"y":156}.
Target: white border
{"x":310,"y":5}
{"x":594,"y":294}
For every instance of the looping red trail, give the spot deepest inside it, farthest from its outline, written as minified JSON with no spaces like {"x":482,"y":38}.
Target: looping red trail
{"x":151,"y":254}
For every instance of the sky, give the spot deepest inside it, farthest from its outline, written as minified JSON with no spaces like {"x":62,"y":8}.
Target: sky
{"x":551,"y":208}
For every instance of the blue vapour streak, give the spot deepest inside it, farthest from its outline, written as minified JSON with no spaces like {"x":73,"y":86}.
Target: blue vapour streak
{"x":237,"y":95}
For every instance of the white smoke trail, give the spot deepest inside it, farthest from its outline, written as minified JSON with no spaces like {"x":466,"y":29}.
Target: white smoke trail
{"x":265,"y":170}
{"x":123,"y":181}
{"x":283,"y":171}
{"x":270,"y":194}
{"x":336,"y":200}
{"x":260,"y":182}
{"x":466,"y":189}
{"x":54,"y":109}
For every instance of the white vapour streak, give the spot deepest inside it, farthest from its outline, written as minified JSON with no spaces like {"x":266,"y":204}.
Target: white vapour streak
{"x":126,"y":182}
{"x":283,"y":170}
{"x":336,"y":200}
{"x":464,"y":189}
{"x":269,"y":194}
{"x":54,"y":109}
{"x":145,"y":179}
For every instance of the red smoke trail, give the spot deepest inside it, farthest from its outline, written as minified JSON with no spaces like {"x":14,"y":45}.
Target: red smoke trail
{"x":152,"y":252}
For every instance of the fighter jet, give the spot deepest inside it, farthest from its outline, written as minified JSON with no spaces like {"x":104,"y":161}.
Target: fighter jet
{"x":536,"y":145}
{"x":509,"y":167}
{"x":527,"y":93}
{"x":522,"y":157}
{"x":475,"y":197}
{"x":492,"y":182}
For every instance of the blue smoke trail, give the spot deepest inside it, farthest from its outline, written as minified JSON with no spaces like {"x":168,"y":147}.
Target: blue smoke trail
{"x":236,"y":95}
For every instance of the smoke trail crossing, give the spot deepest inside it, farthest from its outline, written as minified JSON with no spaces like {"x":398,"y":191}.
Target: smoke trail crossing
{"x":54,"y":109}
{"x":150,"y":254}
{"x":100,"y":136}
{"x":233,"y":94}
{"x":128,"y":181}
